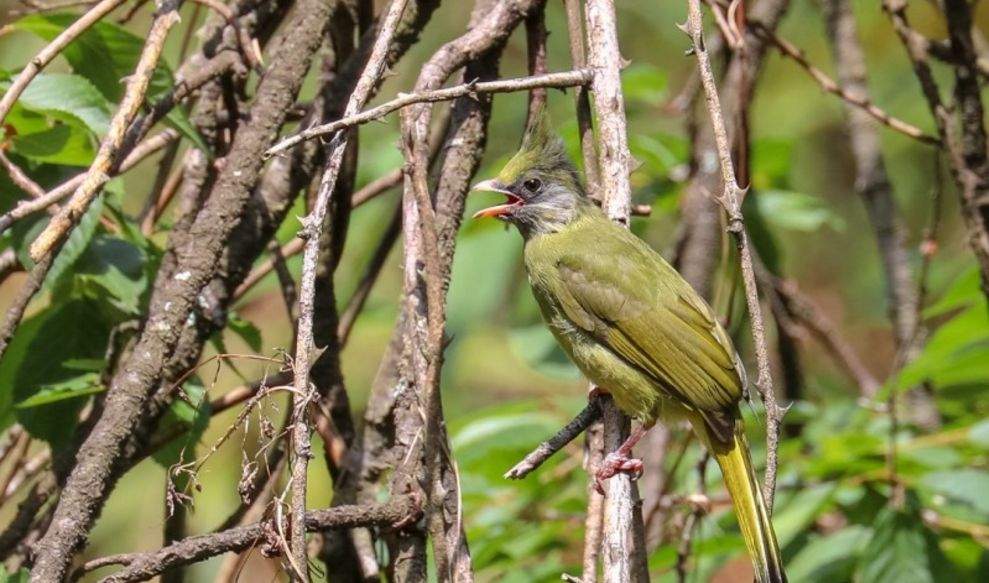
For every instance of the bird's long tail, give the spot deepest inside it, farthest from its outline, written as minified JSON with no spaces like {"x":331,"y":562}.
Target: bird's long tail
{"x":746,"y":496}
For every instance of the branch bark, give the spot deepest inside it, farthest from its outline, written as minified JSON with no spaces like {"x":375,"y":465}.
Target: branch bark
{"x":312,"y":233}
{"x":624,"y":555}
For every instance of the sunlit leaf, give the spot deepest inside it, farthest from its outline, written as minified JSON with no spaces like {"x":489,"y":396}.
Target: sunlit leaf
{"x":61,"y":144}
{"x":246,"y":330}
{"x":81,"y":386}
{"x":901,"y":550}
{"x":796,"y":211}
{"x":69,"y":97}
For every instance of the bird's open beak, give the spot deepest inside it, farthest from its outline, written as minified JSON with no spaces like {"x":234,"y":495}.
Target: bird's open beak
{"x":500,"y":210}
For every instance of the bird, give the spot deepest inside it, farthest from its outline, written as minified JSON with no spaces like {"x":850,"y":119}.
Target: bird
{"x":632,"y":325}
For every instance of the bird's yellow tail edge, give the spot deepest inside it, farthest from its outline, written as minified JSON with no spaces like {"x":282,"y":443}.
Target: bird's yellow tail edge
{"x":746,"y":496}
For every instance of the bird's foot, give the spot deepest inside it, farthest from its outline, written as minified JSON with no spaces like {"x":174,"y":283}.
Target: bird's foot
{"x":613,"y":464}
{"x":595,"y":392}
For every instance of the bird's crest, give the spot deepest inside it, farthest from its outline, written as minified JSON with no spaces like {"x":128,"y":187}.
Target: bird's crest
{"x":541,"y":149}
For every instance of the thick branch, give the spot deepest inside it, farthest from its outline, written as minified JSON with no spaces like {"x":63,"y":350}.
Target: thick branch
{"x":623,"y":544}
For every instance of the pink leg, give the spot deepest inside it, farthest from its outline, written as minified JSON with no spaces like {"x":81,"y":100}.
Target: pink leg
{"x":621,"y":460}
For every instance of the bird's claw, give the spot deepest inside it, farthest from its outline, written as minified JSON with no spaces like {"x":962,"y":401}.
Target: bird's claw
{"x":615,"y":463}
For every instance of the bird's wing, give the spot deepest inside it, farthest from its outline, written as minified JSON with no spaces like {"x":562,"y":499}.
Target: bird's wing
{"x":633,"y":302}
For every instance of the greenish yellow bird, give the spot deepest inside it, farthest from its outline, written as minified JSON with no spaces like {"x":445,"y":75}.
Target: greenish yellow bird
{"x":632,"y":325}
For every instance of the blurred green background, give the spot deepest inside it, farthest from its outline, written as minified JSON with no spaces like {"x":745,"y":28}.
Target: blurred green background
{"x":505,"y":387}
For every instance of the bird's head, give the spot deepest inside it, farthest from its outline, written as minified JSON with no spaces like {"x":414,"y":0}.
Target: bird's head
{"x":543,"y":189}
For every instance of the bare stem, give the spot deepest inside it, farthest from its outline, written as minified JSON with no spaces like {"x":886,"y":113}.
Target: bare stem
{"x":312,"y":230}
{"x":731,"y":200}
{"x":52,"y":237}
{"x":564,"y":79}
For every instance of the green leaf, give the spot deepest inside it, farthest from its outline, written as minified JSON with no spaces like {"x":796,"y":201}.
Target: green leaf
{"x":964,"y":292}
{"x":955,"y":354}
{"x":536,"y":345}
{"x":106,"y":54}
{"x":979,"y":434}
{"x":829,"y":558}
{"x":644,"y":82}
{"x":20,"y":576}
{"x":246,"y":330}
{"x":68,"y":97}
{"x":63,"y":144}
{"x":110,"y":270}
{"x":81,"y":386}
{"x":796,"y":211}
{"x":25,"y":232}
{"x":184,"y":424}
{"x":965,"y":485}
{"x":902,"y":549}
{"x":800,"y":510}
{"x":35,"y":362}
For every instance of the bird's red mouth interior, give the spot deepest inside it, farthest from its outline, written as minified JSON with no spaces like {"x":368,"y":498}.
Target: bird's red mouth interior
{"x":511,"y":203}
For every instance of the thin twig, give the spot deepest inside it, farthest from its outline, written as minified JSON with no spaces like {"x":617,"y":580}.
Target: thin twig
{"x":692,"y":520}
{"x":20,"y":178}
{"x":787,"y":49}
{"x":143,"y":566}
{"x":731,"y":200}
{"x":559,"y":80}
{"x":313,"y":228}
{"x":566,"y":434}
{"x":52,"y":50}
{"x":12,"y":318}
{"x":55,"y":232}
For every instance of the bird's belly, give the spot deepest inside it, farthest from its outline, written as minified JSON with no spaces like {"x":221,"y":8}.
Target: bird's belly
{"x":634,"y":393}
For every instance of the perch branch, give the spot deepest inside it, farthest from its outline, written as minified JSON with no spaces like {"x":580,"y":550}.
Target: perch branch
{"x":623,"y":542}
{"x":545,"y":450}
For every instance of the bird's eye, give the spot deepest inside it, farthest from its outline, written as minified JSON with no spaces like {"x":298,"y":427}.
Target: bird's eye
{"x":533,"y":185}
